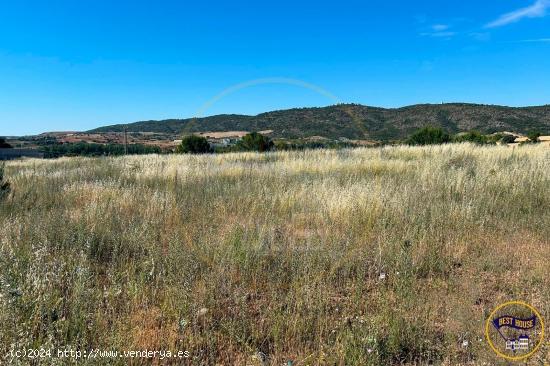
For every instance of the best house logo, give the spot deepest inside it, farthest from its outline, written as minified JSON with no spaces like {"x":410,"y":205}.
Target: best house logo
{"x":515,"y":330}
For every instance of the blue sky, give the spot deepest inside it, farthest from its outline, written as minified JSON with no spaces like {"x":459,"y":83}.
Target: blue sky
{"x":75,"y":65}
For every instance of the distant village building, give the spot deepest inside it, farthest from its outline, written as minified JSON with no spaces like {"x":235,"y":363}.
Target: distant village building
{"x":11,"y":154}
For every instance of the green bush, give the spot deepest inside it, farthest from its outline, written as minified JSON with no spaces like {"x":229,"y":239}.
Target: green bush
{"x":255,"y":142}
{"x":429,"y":136}
{"x":494,"y":138}
{"x":4,"y":185}
{"x":194,"y":145}
{"x":533,"y":137}
{"x":473,"y":136}
{"x":508,"y":139}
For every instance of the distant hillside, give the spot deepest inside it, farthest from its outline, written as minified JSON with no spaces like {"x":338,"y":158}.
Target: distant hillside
{"x":355,"y":121}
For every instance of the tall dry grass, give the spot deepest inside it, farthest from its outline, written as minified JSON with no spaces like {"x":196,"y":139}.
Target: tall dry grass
{"x":352,"y":257}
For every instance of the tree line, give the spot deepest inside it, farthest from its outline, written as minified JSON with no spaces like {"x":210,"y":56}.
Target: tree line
{"x":254,"y":141}
{"x":435,"y":135}
{"x":93,"y":149}
{"x":250,"y":142}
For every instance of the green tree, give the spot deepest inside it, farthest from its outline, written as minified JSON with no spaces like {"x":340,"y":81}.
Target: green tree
{"x":472,"y":136}
{"x":4,"y":185}
{"x":255,"y":142}
{"x":194,"y":145}
{"x":429,"y":136}
{"x":534,"y":136}
{"x":4,"y":144}
{"x":508,"y":139}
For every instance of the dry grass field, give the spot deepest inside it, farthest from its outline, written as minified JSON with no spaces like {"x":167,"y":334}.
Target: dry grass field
{"x":368,"y":256}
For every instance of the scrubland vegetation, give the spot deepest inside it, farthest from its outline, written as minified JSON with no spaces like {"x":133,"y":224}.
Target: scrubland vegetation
{"x":383,"y":256}
{"x":93,"y":149}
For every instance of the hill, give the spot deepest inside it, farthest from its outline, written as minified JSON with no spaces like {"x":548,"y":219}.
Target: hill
{"x":356,"y":121}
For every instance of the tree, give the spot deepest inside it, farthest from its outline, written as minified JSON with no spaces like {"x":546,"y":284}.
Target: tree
{"x":508,"y":139}
{"x":4,"y":185}
{"x":4,"y":144}
{"x":429,"y":136}
{"x":194,"y":145}
{"x":534,"y":136}
{"x":472,"y":136}
{"x":255,"y":142}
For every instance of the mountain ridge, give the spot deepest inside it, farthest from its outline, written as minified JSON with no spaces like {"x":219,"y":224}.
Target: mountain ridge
{"x":356,"y":121}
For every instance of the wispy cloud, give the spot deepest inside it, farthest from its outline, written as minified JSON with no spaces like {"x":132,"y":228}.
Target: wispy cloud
{"x":439,"y":34}
{"x":536,"y":40}
{"x":439,"y":31}
{"x":440,"y":27}
{"x":537,"y":10}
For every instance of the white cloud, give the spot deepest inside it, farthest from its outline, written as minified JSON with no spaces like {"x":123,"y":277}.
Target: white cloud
{"x":537,"y":40}
{"x":439,"y":34}
{"x":439,"y":31}
{"x":537,"y":10}
{"x":440,"y":27}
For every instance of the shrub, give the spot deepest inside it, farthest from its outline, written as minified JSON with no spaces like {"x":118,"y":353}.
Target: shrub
{"x":194,"y":145}
{"x":472,"y":136}
{"x":4,"y":185}
{"x":429,"y":136}
{"x":534,"y":137}
{"x":495,"y":137}
{"x":4,"y":144}
{"x":508,"y":139}
{"x":255,"y":142}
